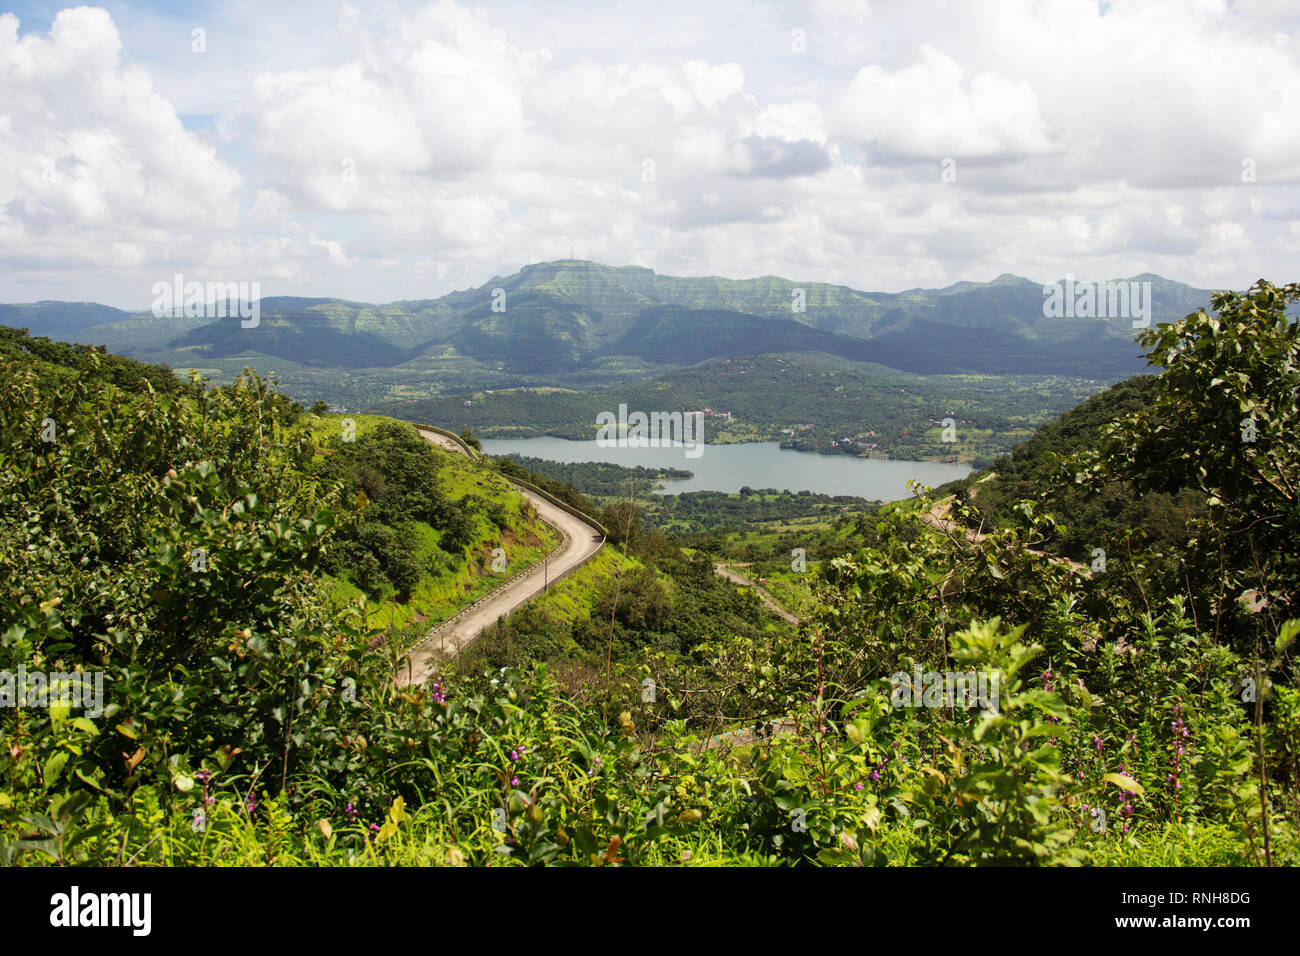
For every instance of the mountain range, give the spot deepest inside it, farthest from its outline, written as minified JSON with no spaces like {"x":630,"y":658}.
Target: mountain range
{"x":567,"y":316}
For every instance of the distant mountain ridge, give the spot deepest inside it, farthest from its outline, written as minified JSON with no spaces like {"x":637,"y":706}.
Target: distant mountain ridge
{"x":570,"y":314}
{"x":57,"y":320}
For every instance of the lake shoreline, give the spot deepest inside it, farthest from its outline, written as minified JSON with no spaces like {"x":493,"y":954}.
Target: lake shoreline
{"x":714,"y":443}
{"x":728,"y":467}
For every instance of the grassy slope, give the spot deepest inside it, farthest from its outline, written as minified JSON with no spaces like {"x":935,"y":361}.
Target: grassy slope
{"x":526,"y":539}
{"x":767,"y":553}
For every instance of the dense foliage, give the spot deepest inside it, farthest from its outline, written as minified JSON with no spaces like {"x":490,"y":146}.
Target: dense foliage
{"x":1111,"y":517}
{"x":395,"y":473}
{"x":171,"y":541}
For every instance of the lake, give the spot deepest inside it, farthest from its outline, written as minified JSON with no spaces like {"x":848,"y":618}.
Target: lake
{"x":756,"y":464}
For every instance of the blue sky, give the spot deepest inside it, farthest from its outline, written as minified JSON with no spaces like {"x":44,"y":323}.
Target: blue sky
{"x":382,"y":151}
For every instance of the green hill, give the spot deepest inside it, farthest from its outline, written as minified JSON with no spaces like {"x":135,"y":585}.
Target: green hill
{"x":1039,"y":469}
{"x":60,"y":320}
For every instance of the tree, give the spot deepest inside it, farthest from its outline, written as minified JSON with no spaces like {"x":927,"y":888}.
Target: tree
{"x":458,"y":530}
{"x":642,"y":602}
{"x":622,"y":522}
{"x":1224,"y":420}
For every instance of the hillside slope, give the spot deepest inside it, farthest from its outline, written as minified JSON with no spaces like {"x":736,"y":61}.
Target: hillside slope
{"x":1039,"y":469}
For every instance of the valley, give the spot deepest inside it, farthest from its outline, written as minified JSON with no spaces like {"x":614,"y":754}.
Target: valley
{"x":733,"y":635}
{"x":816,"y":367}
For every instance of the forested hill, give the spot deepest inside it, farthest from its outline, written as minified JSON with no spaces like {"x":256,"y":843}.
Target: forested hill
{"x":1033,"y":459}
{"x":55,"y":360}
{"x":1039,"y":470}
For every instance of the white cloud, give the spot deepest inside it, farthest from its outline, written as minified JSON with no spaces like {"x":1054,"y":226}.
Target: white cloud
{"x":101,"y":171}
{"x":91,"y":143}
{"x":404,"y":151}
{"x":929,"y":110}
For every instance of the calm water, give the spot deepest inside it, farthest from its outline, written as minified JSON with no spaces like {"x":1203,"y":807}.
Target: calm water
{"x":756,"y":464}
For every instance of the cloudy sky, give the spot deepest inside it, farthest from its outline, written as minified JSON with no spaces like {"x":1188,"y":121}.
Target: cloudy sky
{"x":391,"y":150}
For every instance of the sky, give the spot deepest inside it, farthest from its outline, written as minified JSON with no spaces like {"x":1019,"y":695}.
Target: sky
{"x":385,"y":151}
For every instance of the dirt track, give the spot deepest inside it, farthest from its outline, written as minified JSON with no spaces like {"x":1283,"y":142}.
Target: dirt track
{"x":937,"y":518}
{"x":748,"y":735}
{"x":768,"y":601}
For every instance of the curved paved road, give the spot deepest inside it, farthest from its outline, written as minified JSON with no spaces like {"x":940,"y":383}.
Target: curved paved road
{"x":581,"y":542}
{"x":442,"y":441}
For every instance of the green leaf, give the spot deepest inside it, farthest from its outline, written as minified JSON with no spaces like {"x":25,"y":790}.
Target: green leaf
{"x":86,"y":724}
{"x":54,"y":767}
{"x":397,"y":812}
{"x":1288,"y":634}
{"x":1123,"y":781}
{"x":84,"y":834}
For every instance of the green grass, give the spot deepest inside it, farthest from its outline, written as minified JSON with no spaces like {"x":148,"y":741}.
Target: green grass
{"x":526,"y":539}
{"x":1174,"y":844}
{"x":423,"y":839}
{"x":790,"y":589}
{"x":328,"y":428}
{"x":572,"y":598}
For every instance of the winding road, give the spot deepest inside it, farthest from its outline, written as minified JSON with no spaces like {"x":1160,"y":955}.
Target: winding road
{"x":581,"y":542}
